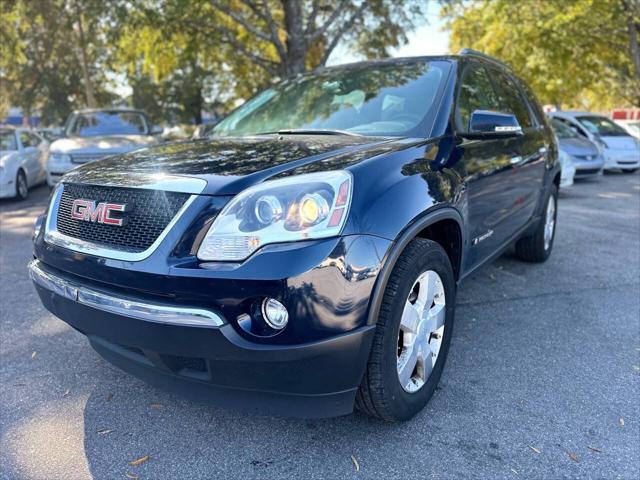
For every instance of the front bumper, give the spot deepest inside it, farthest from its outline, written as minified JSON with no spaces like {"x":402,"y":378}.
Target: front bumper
{"x":587,"y":168}
{"x":311,"y":370}
{"x":615,"y":159}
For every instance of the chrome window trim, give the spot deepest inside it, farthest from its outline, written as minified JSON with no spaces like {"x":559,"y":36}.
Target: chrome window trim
{"x":54,"y":237}
{"x":150,"y":312}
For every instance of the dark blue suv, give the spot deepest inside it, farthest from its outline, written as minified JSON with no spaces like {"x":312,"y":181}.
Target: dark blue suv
{"x":304,"y":257}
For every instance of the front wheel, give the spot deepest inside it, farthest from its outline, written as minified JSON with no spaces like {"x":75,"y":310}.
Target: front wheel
{"x":412,"y":335}
{"x":537,"y":247}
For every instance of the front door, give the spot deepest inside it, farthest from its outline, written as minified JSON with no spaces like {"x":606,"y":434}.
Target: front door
{"x":488,"y":169}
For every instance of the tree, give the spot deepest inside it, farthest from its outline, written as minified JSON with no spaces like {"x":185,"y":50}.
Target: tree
{"x":39,"y":67}
{"x":286,"y":37}
{"x":574,"y":53}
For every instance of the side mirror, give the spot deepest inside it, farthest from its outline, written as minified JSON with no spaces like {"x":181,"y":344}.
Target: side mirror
{"x":488,"y":124}
{"x":156,"y":130}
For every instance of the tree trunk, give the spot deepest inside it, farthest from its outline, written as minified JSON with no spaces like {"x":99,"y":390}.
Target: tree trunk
{"x":88,"y":83}
{"x":296,"y":44}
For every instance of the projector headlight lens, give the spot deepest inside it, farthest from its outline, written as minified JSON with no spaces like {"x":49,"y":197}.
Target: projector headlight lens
{"x":301,"y":207}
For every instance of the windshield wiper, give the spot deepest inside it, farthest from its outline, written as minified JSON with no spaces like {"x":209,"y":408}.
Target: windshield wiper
{"x":316,"y":131}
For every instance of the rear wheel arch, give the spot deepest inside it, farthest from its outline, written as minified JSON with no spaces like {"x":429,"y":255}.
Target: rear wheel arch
{"x":444,"y":226}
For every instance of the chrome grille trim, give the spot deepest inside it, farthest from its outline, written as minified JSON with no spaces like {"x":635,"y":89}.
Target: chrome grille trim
{"x":53,"y":236}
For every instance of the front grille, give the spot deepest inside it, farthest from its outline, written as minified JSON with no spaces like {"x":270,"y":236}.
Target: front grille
{"x":587,"y":158}
{"x":87,"y":157}
{"x":148,"y":214}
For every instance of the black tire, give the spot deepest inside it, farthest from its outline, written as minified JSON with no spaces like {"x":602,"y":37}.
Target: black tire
{"x":22,"y":187}
{"x":532,"y":248}
{"x":629,"y":170}
{"x":380,"y":394}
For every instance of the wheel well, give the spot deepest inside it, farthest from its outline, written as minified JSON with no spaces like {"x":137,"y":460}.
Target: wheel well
{"x":448,"y":234}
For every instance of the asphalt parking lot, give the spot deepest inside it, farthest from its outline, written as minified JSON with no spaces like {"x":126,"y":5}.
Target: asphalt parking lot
{"x":542,"y":381}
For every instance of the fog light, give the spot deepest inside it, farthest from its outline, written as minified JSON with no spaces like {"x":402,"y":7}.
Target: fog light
{"x":274,"y":313}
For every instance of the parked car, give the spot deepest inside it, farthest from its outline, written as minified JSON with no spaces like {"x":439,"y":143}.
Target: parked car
{"x":305,"y":257}
{"x":22,"y":157}
{"x":91,"y":135}
{"x":631,"y":126}
{"x":583,"y":153}
{"x":619,"y":148}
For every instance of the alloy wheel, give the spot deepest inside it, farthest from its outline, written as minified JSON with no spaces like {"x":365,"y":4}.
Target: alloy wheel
{"x":549,"y":222}
{"x":421,"y":331}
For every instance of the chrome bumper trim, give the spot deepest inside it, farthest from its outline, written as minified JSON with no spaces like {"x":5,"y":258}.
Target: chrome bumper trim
{"x":123,"y":306}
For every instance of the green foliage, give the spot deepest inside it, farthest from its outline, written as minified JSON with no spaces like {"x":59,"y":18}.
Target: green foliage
{"x":573,"y":53}
{"x":40,"y":66}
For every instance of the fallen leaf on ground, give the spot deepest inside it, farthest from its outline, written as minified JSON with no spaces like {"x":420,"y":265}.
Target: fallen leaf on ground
{"x":621,"y":421}
{"x":139,"y":461}
{"x":355,"y":463}
{"x":131,"y":475}
{"x":109,"y":397}
{"x":33,"y":355}
{"x":572,"y":456}
{"x":156,"y":405}
{"x":537,"y":450}
{"x":594,"y":449}
{"x":104,"y":431}
{"x":66,"y":393}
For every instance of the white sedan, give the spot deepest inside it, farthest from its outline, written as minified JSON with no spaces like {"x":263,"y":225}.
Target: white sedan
{"x":23,"y":154}
{"x":619,"y":148}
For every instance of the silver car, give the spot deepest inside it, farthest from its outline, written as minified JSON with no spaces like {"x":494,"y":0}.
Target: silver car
{"x":22,"y":157}
{"x":585,"y":155}
{"x":91,"y":135}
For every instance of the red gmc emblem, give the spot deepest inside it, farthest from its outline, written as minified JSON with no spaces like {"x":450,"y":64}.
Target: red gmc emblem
{"x":91,"y":211}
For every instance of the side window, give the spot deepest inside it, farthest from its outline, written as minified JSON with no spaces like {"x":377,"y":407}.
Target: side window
{"x":27,"y":140}
{"x":476,"y":93}
{"x":511,"y":99}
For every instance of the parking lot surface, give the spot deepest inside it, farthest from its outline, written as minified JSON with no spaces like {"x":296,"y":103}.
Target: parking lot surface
{"x":542,"y":381}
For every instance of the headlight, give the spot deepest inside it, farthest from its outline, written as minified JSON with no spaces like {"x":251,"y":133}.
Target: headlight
{"x":313,"y":205}
{"x":56,"y":157}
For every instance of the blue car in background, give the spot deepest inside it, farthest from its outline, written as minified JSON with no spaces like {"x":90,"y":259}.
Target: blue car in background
{"x":585,"y":155}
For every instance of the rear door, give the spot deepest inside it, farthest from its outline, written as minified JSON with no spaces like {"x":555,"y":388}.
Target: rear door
{"x":528,"y":167}
{"x":488,"y":168}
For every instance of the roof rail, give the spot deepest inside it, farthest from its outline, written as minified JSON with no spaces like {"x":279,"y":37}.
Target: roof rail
{"x":477,"y":53}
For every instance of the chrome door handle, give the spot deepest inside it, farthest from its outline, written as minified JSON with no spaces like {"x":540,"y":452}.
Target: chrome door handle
{"x":515,"y":160}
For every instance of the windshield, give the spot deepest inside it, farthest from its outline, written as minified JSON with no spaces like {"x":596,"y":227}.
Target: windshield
{"x":388,"y":100}
{"x":562,"y":130}
{"x":603,"y":126}
{"x":8,"y":141}
{"x":107,"y":123}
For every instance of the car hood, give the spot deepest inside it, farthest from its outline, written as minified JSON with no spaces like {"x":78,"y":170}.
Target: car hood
{"x":101,"y":144}
{"x":621,"y":143}
{"x":5,"y":155}
{"x":229,"y":165}
{"x":578,"y":146}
